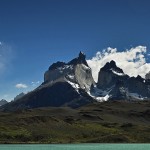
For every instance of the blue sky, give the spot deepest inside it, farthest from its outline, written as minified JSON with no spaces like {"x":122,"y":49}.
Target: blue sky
{"x":36,"y":33}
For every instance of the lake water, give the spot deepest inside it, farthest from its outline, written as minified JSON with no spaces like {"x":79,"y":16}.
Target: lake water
{"x":74,"y":146}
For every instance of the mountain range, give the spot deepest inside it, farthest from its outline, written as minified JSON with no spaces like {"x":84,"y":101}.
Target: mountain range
{"x":71,"y":84}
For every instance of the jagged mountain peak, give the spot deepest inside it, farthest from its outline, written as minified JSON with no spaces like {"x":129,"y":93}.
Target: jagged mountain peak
{"x":82,"y":56}
{"x":122,"y":86}
{"x":139,"y":78}
{"x":81,"y":59}
{"x":57,"y":65}
{"x":109,"y":75}
{"x":112,"y":66}
{"x":109,"y":65}
{"x":75,"y":72}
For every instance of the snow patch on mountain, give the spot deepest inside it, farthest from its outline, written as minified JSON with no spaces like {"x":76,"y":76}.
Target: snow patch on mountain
{"x":65,"y":67}
{"x":74,"y":85}
{"x":102,"y":99}
{"x":86,"y":67}
{"x":99,"y":98}
{"x":117,"y":73}
{"x":96,"y":91}
{"x":136,"y":96}
{"x":100,"y":95}
{"x":72,"y":77}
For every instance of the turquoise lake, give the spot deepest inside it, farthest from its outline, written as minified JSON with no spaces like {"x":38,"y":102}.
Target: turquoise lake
{"x":74,"y":146}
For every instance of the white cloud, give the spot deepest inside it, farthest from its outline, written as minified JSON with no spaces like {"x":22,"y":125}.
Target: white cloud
{"x":132,"y":61}
{"x":20,"y":85}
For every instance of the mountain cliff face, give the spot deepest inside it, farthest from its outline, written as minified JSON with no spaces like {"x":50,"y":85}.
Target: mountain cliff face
{"x":120,"y":86}
{"x":76,"y":72}
{"x":71,"y":84}
{"x":147,"y":76}
{"x":109,"y":75}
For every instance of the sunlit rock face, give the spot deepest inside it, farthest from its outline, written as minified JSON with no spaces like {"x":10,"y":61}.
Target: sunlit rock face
{"x":76,"y":71}
{"x":83,"y":76}
{"x":109,"y":75}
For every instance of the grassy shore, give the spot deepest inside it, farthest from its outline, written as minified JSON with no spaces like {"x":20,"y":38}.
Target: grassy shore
{"x":108,"y":122}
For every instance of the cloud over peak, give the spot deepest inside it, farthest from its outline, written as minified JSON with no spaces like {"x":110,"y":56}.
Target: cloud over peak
{"x":132,"y":61}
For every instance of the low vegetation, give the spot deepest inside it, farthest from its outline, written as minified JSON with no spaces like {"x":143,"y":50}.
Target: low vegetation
{"x":108,"y":122}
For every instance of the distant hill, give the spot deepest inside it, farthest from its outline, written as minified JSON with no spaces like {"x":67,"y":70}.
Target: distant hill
{"x":19,"y":96}
{"x":3,"y":102}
